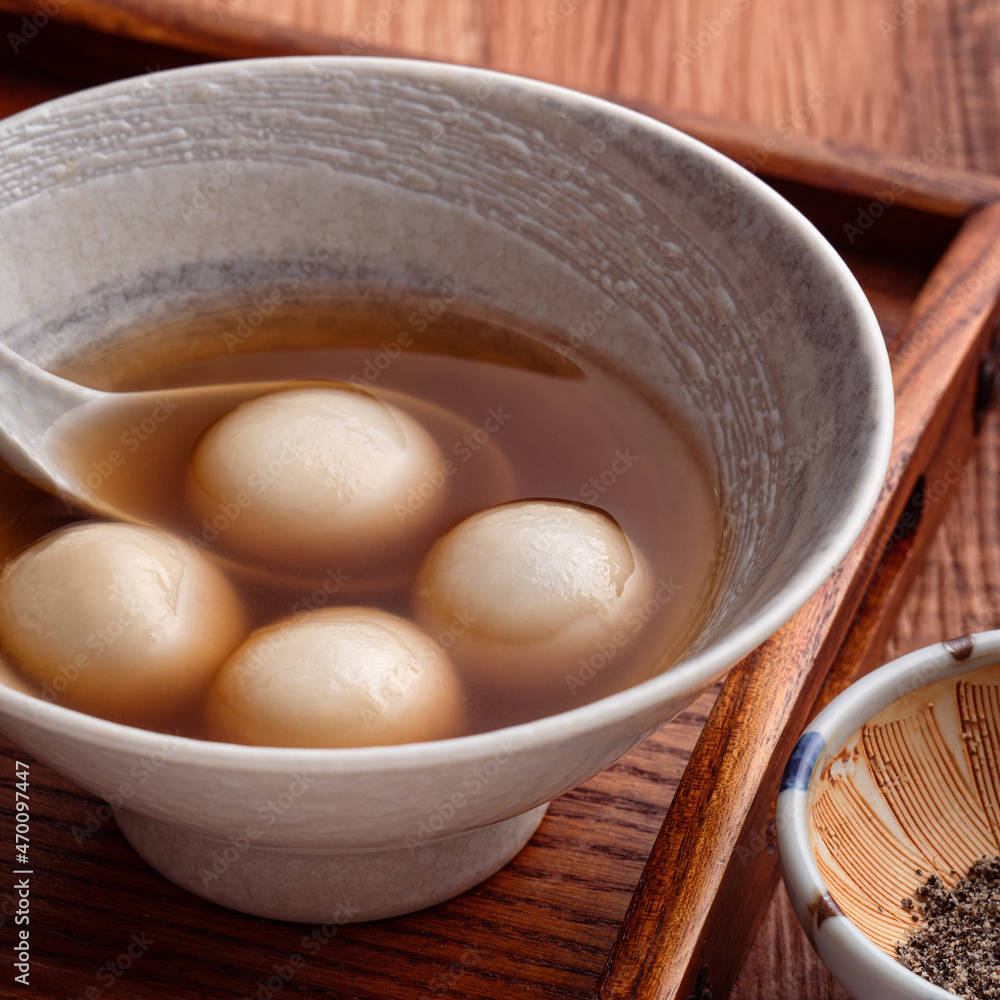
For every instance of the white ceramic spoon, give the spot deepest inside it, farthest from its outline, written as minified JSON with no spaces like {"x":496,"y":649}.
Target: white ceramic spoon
{"x":47,"y":423}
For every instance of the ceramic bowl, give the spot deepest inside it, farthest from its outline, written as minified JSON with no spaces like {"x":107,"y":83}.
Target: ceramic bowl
{"x":895,"y":780}
{"x":132,"y":203}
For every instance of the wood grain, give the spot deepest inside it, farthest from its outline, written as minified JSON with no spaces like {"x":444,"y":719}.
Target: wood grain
{"x":91,"y":893}
{"x":884,"y":82}
{"x":933,"y":79}
{"x":714,"y":857}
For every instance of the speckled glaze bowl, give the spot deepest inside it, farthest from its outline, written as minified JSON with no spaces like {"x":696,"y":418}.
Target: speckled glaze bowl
{"x":896,"y":779}
{"x":639,"y":248}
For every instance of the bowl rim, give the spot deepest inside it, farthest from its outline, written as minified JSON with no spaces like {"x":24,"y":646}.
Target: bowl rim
{"x":842,"y":946}
{"x":693,"y":674}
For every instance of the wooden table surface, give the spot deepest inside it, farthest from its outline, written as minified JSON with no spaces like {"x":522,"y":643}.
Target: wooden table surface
{"x":916,"y":78}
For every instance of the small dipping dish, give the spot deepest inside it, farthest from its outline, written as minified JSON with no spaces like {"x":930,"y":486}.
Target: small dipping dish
{"x":896,"y":780}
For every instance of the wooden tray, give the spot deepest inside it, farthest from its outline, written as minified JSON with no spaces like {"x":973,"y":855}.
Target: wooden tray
{"x":616,"y":893}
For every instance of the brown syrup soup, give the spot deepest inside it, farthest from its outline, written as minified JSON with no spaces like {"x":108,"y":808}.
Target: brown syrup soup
{"x":514,"y":418}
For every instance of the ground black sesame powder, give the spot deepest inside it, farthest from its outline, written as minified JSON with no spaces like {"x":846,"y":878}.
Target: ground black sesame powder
{"x":957,"y":945}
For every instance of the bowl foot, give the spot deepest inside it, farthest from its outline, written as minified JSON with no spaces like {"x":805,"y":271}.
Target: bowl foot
{"x":335,"y":888}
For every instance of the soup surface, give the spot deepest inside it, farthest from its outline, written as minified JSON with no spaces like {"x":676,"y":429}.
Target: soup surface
{"x":512,"y":417}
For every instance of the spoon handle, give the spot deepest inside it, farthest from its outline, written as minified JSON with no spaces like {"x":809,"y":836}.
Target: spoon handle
{"x":31,"y":400}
